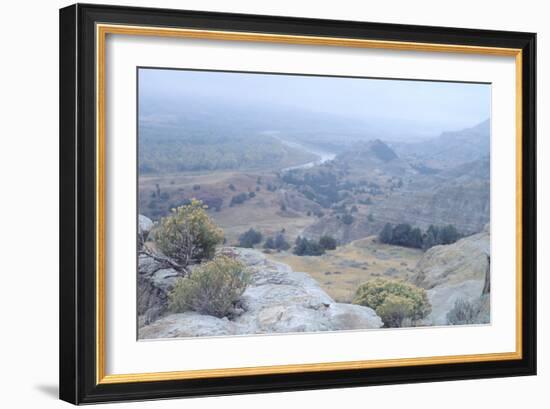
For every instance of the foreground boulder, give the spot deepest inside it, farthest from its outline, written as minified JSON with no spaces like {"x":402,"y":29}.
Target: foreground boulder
{"x":467,"y":259}
{"x":458,"y":271}
{"x":443,"y":299}
{"x":278,"y":300}
{"x":145,"y":225}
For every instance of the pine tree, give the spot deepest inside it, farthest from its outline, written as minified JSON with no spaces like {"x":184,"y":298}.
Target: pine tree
{"x":386,"y":235}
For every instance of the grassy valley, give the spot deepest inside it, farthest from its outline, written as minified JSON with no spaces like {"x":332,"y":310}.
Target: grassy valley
{"x":341,"y":271}
{"x":350,"y":197}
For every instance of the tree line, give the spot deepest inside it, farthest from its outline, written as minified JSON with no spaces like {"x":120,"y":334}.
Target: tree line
{"x":407,"y":236}
{"x":302,"y":245}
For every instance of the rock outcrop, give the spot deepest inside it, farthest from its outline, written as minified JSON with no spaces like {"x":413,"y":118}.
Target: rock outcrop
{"x":144,"y":224}
{"x":154,"y":280}
{"x":375,"y":156}
{"x":451,"y":148}
{"x":461,"y":201}
{"x":154,"y":283}
{"x":443,"y":299}
{"x":456,"y":271}
{"x":467,"y":259}
{"x":278,"y":300}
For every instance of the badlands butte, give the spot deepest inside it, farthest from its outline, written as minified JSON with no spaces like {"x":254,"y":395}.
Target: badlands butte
{"x":301,"y":189}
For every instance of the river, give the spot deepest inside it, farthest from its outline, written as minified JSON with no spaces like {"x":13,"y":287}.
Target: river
{"x":323,"y":156}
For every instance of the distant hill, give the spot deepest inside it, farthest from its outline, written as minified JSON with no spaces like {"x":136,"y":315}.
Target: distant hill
{"x":371,"y":157}
{"x":458,"y":196}
{"x":450,"y":148}
{"x":375,"y":151}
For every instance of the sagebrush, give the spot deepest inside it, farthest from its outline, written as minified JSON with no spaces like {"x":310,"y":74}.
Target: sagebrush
{"x":464,"y":312}
{"x":213,"y":288}
{"x":394,"y":301}
{"x":188,"y":234}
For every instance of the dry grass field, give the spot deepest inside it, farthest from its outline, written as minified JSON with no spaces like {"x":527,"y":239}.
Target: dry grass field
{"x":261,"y":212}
{"x":341,"y":271}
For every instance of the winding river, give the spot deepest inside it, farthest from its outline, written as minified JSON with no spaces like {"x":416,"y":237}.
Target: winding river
{"x":323,"y":156}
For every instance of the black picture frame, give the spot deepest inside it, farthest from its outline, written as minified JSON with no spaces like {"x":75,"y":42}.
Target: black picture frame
{"x":78,"y":360}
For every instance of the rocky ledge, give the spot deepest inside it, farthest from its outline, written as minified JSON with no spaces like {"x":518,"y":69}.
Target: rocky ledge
{"x":457,"y":271}
{"x":278,"y":300}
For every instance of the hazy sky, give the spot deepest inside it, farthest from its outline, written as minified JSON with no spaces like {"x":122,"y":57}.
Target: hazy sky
{"x":430,"y":105}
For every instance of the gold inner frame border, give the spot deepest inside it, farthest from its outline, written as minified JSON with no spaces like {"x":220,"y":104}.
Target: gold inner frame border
{"x":102,"y":30}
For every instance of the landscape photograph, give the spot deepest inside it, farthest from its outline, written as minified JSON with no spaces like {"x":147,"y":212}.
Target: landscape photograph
{"x":274,"y":203}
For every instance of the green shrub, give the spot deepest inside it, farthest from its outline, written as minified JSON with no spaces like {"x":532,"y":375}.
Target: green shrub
{"x":394,"y":301}
{"x":269,"y":243}
{"x":238,"y":199}
{"x":448,"y":234}
{"x":249,"y":238}
{"x":386,"y":235}
{"x":212,"y":288}
{"x":402,"y":235}
{"x":277,"y":243}
{"x":395,"y":309}
{"x":440,"y":235}
{"x":305,"y":247}
{"x":281,"y":243}
{"x":327,"y":242}
{"x":188,"y":234}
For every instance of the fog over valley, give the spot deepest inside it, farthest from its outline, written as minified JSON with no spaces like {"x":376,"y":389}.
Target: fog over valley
{"x":393,"y":109}
{"x":350,"y":181}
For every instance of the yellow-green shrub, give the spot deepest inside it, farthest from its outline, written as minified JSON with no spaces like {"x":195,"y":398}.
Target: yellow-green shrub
{"x":212,"y":288}
{"x":394,"y":301}
{"x":188,"y":234}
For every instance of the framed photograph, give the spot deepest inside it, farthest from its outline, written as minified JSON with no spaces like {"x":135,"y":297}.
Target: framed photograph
{"x":257,"y":203}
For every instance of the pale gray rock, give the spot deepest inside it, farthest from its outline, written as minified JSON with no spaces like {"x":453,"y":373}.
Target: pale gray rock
{"x":458,"y":271}
{"x":467,"y":259}
{"x":443,"y":298}
{"x":144,"y":224}
{"x":278,"y":300}
{"x":188,"y":324}
{"x":147,"y":265}
{"x":165,"y":278}
{"x":484,"y":315}
{"x":349,"y":316}
{"x":154,"y":282}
